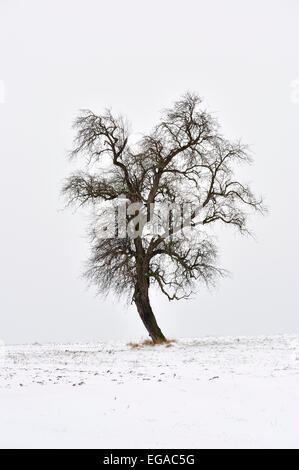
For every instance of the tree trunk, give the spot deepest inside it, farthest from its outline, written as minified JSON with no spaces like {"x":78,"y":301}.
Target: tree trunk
{"x":142,"y":302}
{"x":141,"y":295}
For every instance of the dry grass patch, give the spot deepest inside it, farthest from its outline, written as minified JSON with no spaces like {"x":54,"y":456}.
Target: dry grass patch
{"x":149,"y":342}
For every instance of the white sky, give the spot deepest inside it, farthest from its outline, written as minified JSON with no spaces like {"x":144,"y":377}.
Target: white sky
{"x":138,"y":57}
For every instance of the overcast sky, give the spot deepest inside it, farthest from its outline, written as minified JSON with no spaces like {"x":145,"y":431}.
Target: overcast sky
{"x":138,"y":57}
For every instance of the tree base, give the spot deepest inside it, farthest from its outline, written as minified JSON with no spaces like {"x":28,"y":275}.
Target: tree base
{"x":149,"y":320}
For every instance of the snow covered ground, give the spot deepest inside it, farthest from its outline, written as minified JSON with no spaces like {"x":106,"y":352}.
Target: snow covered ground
{"x":201,"y":393}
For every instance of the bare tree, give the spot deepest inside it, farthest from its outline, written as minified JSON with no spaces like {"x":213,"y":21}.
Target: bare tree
{"x":185,"y":159}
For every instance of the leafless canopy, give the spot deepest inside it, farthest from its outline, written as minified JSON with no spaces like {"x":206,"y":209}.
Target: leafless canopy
{"x":184,"y":159}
